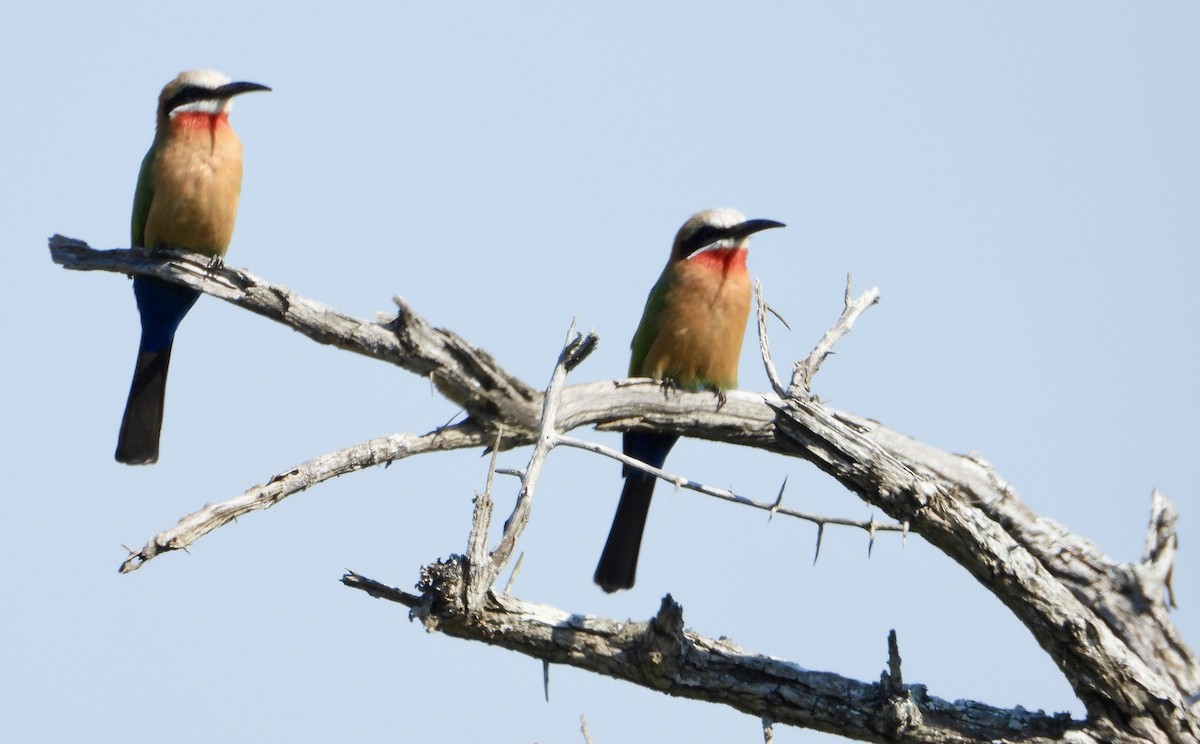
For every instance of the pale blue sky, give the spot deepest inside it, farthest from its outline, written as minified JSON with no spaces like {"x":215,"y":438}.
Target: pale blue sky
{"x":1019,"y":179}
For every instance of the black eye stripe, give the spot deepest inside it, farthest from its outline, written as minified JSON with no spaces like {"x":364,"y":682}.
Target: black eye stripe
{"x":187,"y":94}
{"x":703,"y":236}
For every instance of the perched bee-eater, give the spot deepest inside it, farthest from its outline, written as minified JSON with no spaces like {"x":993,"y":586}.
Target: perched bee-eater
{"x":690,"y":337}
{"x":187,"y":197}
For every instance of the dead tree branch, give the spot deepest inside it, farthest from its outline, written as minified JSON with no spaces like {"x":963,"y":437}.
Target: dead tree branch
{"x":661,"y":655}
{"x":1105,"y":623}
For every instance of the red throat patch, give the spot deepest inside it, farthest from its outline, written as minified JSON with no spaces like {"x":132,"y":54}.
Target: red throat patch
{"x":199,"y":120}
{"x":725,"y":260}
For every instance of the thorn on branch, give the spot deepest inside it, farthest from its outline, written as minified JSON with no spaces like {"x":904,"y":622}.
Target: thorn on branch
{"x":512,"y":578}
{"x":778,"y":500}
{"x":487,"y":487}
{"x":820,"y":537}
{"x":778,"y":317}
{"x":679,"y":482}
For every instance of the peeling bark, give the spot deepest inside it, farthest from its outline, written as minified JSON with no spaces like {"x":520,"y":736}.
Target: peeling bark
{"x":1106,"y":624}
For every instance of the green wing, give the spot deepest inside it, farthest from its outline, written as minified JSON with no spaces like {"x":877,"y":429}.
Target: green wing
{"x":141,"y":201}
{"x":648,"y":329}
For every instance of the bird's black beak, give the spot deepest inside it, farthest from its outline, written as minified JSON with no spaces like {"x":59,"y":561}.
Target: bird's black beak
{"x":749,"y":227}
{"x":229,"y":90}
{"x":708,"y":236}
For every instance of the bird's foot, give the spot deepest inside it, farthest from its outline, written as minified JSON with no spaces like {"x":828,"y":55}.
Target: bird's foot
{"x":669,"y":386}
{"x":722,"y":399}
{"x":215,"y":263}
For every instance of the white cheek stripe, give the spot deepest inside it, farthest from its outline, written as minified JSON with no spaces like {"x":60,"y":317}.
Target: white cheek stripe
{"x":212,"y":106}
{"x":725,"y":243}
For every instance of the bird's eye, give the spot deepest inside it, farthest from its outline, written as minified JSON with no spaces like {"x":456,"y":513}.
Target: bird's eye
{"x":703,"y":236}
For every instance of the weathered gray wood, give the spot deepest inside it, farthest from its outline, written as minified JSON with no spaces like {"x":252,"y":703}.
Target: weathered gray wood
{"x":1105,"y":623}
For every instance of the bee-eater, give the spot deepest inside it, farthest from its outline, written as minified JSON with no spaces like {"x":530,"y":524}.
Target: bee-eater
{"x":690,"y":337}
{"x":187,"y":197}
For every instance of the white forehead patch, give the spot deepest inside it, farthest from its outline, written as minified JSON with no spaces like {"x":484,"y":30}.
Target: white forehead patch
{"x":202,"y":78}
{"x":719,"y":217}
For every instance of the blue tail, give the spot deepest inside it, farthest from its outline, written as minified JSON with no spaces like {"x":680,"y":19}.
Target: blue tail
{"x":162,"y":306}
{"x":618,"y":563}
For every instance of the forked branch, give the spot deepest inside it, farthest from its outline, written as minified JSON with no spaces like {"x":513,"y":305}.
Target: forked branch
{"x":1105,"y":623}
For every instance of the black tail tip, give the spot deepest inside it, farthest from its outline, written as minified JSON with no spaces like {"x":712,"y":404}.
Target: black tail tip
{"x":133,"y":455}
{"x":609,"y":583}
{"x":136,"y":459}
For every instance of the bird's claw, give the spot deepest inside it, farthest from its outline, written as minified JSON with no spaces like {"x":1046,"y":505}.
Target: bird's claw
{"x":722,"y":399}
{"x":669,"y":386}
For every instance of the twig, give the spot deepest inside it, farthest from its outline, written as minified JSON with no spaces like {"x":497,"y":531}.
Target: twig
{"x":378,"y":451}
{"x":1158,"y":560}
{"x":804,"y":370}
{"x":381,"y":591}
{"x":512,"y":577}
{"x":680,"y":481}
{"x":545,"y":442}
{"x":764,"y":345}
{"x":478,"y":564}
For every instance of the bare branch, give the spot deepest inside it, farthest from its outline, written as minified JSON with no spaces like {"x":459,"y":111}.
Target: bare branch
{"x":745,"y":418}
{"x":373,"y":452}
{"x":463,"y":373}
{"x":381,"y":591}
{"x":1105,"y":623}
{"x":545,"y":442}
{"x":1121,"y":666}
{"x":764,"y":345}
{"x":478,"y":564}
{"x":661,"y":655}
{"x":679,"y":481}
{"x":804,"y":371}
{"x":1158,"y":561}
